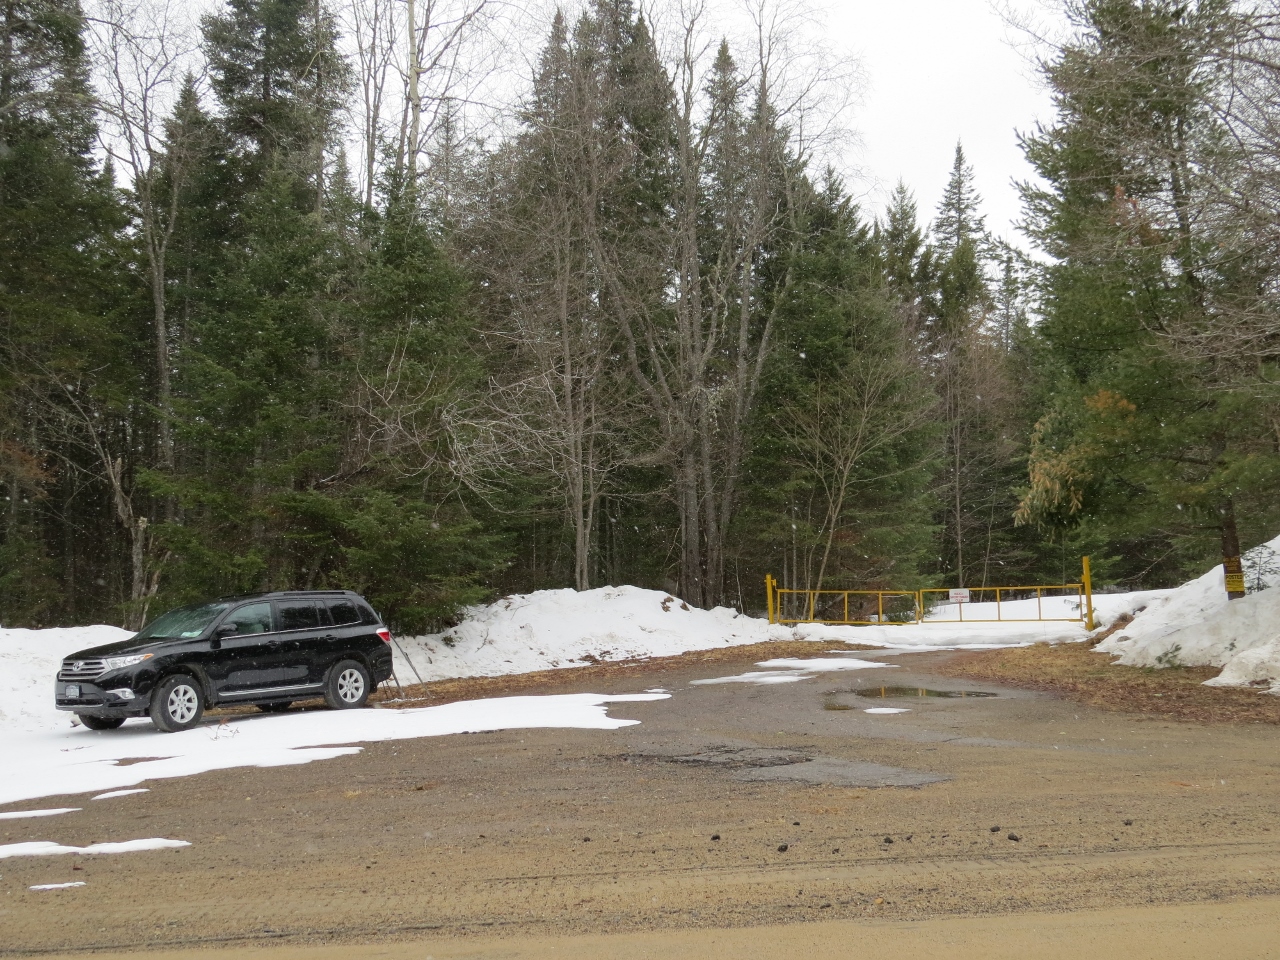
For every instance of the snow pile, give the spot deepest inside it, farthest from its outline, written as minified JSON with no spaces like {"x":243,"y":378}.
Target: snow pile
{"x":568,"y":628}
{"x":1195,"y":625}
{"x":29,"y":661}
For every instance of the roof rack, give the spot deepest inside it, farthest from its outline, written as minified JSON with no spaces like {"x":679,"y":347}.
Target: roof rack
{"x":335,"y":593}
{"x":286,"y":593}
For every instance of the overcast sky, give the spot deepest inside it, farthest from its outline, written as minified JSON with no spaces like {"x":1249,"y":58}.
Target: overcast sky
{"x":939,"y":71}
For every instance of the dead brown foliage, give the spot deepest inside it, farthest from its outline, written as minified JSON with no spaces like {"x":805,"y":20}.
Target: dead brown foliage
{"x":1077,"y":672}
{"x":470,"y":688}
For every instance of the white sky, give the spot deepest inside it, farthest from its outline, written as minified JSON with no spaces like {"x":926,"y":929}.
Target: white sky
{"x":939,"y":71}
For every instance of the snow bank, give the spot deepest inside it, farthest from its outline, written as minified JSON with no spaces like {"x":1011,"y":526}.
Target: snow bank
{"x":566,"y":628}
{"x":29,"y":660}
{"x":1195,"y":625}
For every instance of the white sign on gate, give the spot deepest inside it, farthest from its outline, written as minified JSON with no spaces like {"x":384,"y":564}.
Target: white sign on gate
{"x":959,"y":596}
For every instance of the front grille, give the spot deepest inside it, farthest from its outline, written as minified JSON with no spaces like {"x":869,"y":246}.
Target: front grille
{"x":82,"y":669}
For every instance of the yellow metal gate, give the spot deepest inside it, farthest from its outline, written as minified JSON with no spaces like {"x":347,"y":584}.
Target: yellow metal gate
{"x":1015,"y":604}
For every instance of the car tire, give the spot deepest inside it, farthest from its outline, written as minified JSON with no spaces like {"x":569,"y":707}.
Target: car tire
{"x":177,"y":704}
{"x":348,"y":686}
{"x":100,"y":723}
{"x":279,"y":707}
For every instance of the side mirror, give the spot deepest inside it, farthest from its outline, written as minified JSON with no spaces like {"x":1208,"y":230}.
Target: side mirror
{"x":226,"y":629}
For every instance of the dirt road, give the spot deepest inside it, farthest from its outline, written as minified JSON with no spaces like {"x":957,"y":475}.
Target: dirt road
{"x":728,"y":806}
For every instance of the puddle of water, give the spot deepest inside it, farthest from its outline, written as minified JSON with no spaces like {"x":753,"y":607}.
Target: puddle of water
{"x":884,"y":692}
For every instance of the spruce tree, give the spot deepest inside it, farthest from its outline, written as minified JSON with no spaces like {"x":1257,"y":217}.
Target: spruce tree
{"x":902,"y":244}
{"x":280,"y":81}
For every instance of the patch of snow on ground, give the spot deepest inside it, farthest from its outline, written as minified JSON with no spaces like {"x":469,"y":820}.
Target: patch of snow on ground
{"x":19,"y":814}
{"x":887,"y":710}
{"x":47,"y":848}
{"x":822,"y":665}
{"x":67,"y":761}
{"x":57,"y":886}
{"x":790,"y":670}
{"x":762,"y":677}
{"x":980,"y":630}
{"x":1196,"y":625}
{"x":110,"y":794}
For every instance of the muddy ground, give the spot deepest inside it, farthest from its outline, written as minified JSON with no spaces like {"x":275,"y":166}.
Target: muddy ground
{"x":728,"y":806}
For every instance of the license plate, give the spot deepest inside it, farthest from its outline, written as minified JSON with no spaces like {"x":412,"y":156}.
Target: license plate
{"x":73,"y":690}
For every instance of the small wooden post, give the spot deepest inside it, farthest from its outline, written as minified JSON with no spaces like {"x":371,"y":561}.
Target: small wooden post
{"x":1088,"y":594}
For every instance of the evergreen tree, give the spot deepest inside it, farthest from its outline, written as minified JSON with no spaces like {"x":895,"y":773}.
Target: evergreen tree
{"x":1135,"y":441}
{"x":902,"y":246}
{"x":63,"y":373}
{"x":846,"y":436}
{"x":958,"y":220}
{"x":280,"y":81}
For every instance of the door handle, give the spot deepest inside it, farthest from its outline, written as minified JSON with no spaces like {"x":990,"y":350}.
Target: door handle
{"x":328,"y":636}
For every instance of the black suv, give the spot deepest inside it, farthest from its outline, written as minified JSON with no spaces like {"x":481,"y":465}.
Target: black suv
{"x":268,"y":649}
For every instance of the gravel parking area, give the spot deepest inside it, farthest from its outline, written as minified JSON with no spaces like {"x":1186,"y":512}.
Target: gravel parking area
{"x":729,"y":805}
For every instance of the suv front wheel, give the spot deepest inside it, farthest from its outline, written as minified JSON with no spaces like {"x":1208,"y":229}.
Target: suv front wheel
{"x":348,"y":687}
{"x":177,"y":704}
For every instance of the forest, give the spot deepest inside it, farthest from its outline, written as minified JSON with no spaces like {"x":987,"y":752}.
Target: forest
{"x":344,"y":293}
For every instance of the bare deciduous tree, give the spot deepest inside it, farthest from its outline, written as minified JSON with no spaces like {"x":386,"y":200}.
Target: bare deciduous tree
{"x":144,"y":51}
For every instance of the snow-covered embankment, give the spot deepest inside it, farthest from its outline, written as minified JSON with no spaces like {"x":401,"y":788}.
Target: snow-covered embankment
{"x":1196,"y":625}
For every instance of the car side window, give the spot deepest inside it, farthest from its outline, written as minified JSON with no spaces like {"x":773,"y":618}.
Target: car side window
{"x":367,"y":615}
{"x":298,"y":615}
{"x":344,"y":612}
{"x":252,"y":618}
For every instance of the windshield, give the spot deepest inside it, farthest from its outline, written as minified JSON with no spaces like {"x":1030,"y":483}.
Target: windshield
{"x":183,"y":623}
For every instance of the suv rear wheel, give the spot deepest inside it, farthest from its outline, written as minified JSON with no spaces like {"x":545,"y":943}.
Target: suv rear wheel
{"x":348,"y":686}
{"x":177,"y":704}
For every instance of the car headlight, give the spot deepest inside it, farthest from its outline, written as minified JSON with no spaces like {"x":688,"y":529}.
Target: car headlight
{"x":116,"y":663}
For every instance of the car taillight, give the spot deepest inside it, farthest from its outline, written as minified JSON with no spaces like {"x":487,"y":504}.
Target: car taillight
{"x":385,"y":634}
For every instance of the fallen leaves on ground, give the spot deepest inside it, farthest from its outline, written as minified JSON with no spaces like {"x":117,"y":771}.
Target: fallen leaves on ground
{"x":1077,"y":672}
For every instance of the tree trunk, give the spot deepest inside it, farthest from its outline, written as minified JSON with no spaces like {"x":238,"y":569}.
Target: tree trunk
{"x":415,"y":96}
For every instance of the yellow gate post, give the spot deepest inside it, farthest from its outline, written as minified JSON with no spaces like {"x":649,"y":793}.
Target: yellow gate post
{"x":1088,"y":594}
{"x":768,"y":594}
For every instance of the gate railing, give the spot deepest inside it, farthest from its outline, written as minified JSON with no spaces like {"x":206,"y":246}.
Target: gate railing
{"x":1005,"y":604}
